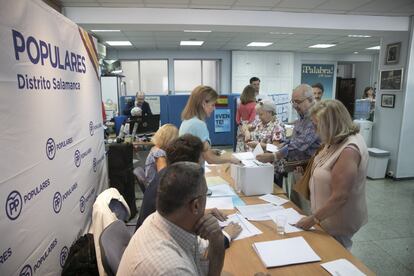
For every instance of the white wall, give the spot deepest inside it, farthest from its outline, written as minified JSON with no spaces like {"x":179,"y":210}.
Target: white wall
{"x":387,"y":130}
{"x":362,"y":74}
{"x":224,"y":56}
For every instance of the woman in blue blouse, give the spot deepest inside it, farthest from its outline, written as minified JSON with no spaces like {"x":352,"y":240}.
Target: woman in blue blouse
{"x":199,"y":107}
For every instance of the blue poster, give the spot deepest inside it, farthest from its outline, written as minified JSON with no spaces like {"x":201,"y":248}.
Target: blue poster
{"x":322,"y":73}
{"x":222,"y":120}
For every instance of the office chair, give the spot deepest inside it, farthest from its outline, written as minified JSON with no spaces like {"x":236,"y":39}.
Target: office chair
{"x":119,"y":209}
{"x":113,"y":241}
{"x":140,"y":177}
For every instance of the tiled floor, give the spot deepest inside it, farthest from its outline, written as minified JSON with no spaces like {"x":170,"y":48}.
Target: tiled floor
{"x":386,"y":243}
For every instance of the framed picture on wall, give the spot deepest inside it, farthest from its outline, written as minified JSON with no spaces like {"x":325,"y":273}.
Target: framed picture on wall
{"x":387,"y":100}
{"x":391,"y":79}
{"x":393,"y":53}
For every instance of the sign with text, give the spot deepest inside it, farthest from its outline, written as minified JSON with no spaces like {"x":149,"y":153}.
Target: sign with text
{"x":222,"y":120}
{"x":322,"y":73}
{"x":53,"y":161}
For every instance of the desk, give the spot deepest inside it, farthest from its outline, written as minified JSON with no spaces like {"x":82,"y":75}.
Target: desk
{"x":241,"y":259}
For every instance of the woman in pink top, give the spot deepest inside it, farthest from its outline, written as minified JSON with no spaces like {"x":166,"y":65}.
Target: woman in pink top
{"x":337,"y":182}
{"x":246,"y":113}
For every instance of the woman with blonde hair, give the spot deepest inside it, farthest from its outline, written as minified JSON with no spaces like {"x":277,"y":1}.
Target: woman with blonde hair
{"x":199,"y":107}
{"x":245,"y":115}
{"x":337,"y":181}
{"x":156,"y":159}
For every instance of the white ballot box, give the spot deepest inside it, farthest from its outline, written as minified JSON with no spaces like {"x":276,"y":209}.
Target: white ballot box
{"x":253,"y":180}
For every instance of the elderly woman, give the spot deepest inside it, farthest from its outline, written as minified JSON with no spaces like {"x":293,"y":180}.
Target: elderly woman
{"x":199,"y":107}
{"x":337,"y":181}
{"x":268,"y":130}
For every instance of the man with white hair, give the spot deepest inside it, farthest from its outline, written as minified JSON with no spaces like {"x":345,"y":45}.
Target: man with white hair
{"x":304,"y":141}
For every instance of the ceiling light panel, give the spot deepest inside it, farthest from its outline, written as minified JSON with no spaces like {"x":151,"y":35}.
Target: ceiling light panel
{"x":119,"y":43}
{"x":191,"y":43}
{"x":322,"y":46}
{"x":259,"y":44}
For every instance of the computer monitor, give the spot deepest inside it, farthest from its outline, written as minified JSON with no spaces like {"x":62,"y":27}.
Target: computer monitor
{"x":144,"y":124}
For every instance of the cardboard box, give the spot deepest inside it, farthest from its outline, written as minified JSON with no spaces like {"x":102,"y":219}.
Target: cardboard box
{"x":253,"y":180}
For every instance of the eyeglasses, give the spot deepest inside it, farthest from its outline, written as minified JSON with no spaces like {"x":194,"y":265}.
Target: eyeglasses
{"x":298,"y":102}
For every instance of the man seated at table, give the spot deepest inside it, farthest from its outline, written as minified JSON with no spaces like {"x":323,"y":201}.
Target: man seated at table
{"x":304,"y":141}
{"x":168,"y":243}
{"x":185,"y":148}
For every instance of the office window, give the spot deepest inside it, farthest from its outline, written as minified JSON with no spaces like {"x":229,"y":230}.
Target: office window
{"x":191,"y":73}
{"x":149,"y":76}
{"x":154,"y":76}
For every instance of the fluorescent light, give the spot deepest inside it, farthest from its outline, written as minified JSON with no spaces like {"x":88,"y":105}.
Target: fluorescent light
{"x":102,"y":31}
{"x":197,"y":31}
{"x":259,"y":44}
{"x":282,"y":33}
{"x":359,"y":36}
{"x":118,"y":43}
{"x":356,"y":52}
{"x":374,"y":48}
{"x":191,"y":43}
{"x":322,"y":46}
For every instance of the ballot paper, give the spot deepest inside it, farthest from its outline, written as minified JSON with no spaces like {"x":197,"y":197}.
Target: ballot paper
{"x":277,"y":200}
{"x":244,"y":155}
{"x":248,"y":229}
{"x":221,"y":190}
{"x":285,"y":252}
{"x":272,"y":148}
{"x":258,"y":211}
{"x":292,"y":217}
{"x":206,"y":170}
{"x":258,"y":150}
{"x":219,"y":203}
{"x":215,"y":180}
{"x":342,"y":267}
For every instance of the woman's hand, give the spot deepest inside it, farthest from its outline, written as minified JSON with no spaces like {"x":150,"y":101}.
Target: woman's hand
{"x":306,"y":222}
{"x":252,"y":144}
{"x":266,"y":157}
{"x":235,"y":161}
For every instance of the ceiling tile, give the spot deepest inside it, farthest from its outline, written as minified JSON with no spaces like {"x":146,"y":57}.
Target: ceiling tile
{"x":302,"y":4}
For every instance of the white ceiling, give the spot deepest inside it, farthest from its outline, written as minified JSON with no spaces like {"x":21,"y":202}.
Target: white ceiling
{"x":167,"y":36}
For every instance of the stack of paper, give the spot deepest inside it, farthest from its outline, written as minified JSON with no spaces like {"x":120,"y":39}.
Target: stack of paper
{"x":285,"y":252}
{"x":219,"y":203}
{"x":292,"y":217}
{"x":248,"y":229}
{"x":215,"y":180}
{"x":221,"y":190}
{"x":342,"y":267}
{"x":272,"y":148}
{"x":258,"y":211}
{"x":277,"y":200}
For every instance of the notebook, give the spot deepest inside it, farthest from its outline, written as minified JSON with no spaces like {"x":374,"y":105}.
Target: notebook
{"x":285,"y":252}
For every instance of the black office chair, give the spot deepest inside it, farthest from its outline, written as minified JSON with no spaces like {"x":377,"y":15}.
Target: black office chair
{"x":113,"y":241}
{"x":140,"y":178}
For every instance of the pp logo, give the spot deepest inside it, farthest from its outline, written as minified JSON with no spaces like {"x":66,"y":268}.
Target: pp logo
{"x":50,"y":148}
{"x":14,"y":204}
{"x":94,"y":164}
{"x":82,"y":204}
{"x":57,"y":202}
{"x":63,"y":255}
{"x":77,"y":158}
{"x":26,"y":271}
{"x":91,"y":128}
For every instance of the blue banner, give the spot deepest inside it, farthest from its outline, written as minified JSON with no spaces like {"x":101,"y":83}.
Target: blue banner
{"x":322,"y":73}
{"x":222,"y":120}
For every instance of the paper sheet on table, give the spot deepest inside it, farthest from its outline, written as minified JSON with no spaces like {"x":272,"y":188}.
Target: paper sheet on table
{"x":215,"y":180}
{"x":248,"y":155}
{"x":292,"y":217}
{"x":221,"y":190}
{"x":342,"y":267}
{"x":219,"y":203}
{"x":258,"y":150}
{"x":248,"y":229}
{"x":277,"y":200}
{"x":206,"y":170}
{"x":258,"y":211}
{"x":285,"y":252}
{"x":272,"y":148}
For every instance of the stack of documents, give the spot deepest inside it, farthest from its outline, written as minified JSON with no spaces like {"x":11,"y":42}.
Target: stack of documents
{"x":219,"y":203}
{"x":258,"y":211}
{"x":276,"y":200}
{"x":285,"y":252}
{"x":342,"y":267}
{"x":215,"y":180}
{"x":221,"y":190}
{"x":292,"y":217}
{"x":248,"y":229}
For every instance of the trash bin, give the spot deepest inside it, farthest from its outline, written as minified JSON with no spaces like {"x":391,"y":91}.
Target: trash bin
{"x":377,"y":163}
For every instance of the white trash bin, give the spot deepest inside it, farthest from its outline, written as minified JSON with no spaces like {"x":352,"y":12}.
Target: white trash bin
{"x":377,"y":163}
